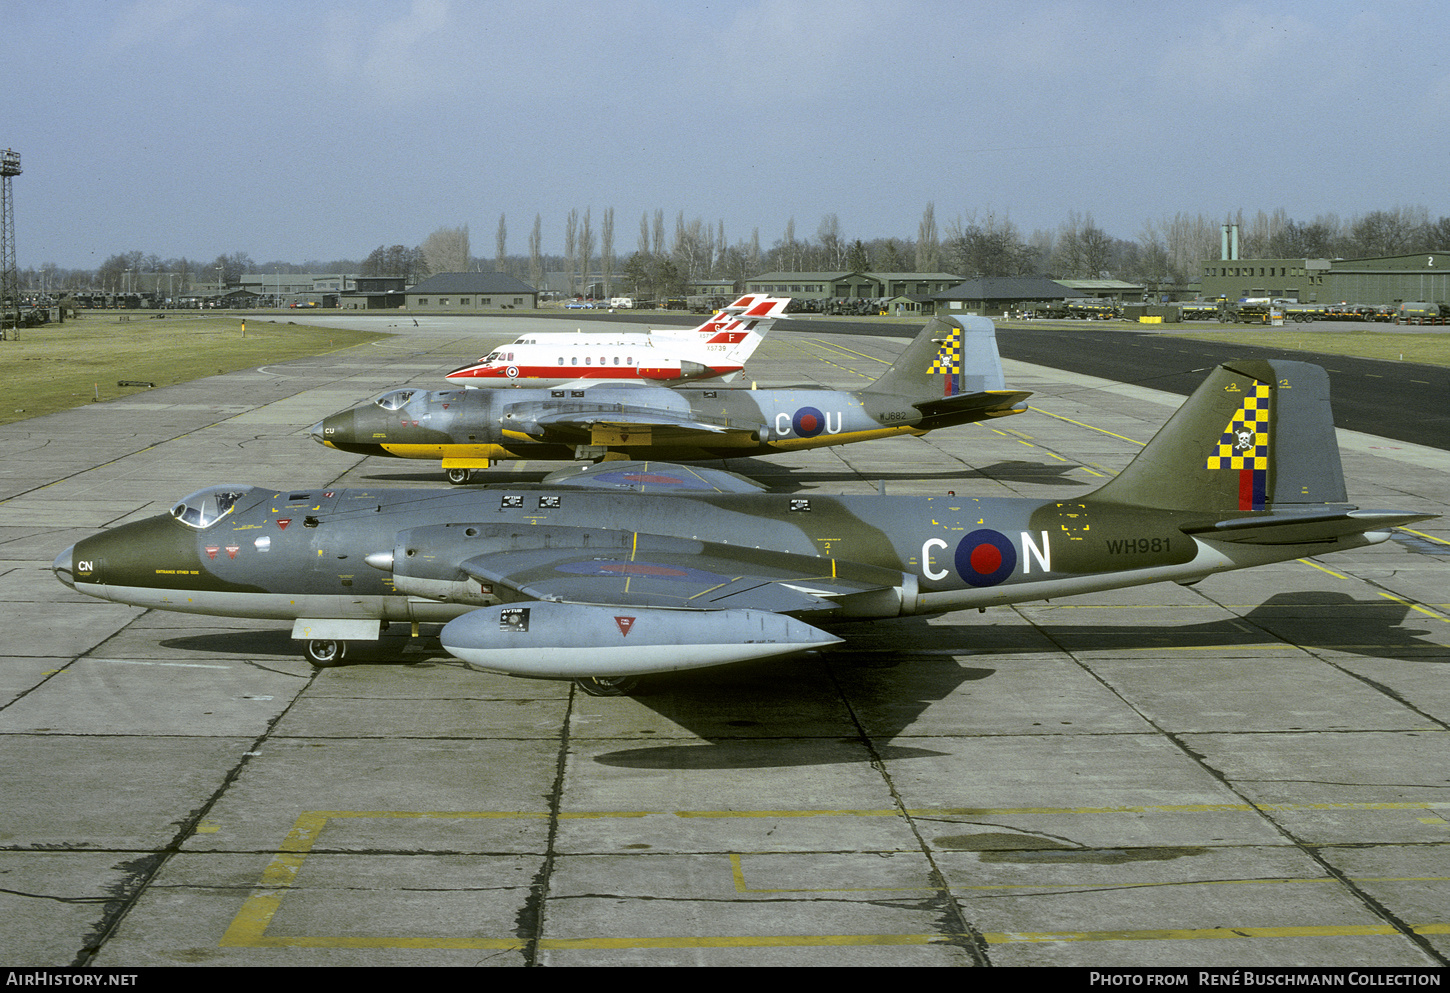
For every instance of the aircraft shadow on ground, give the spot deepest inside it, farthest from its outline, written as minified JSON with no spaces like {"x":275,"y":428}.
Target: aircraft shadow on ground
{"x":896,"y":670}
{"x":803,"y":711}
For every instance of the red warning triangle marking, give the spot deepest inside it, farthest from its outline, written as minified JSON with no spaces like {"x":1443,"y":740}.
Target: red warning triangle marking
{"x":625,"y":623}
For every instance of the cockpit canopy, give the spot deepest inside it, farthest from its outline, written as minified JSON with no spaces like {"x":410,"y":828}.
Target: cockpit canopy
{"x":395,"y":399}
{"x":205,"y":507}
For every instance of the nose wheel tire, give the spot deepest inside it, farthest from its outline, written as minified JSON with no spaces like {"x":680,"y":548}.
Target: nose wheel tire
{"x":325,"y":654}
{"x":459,"y":476}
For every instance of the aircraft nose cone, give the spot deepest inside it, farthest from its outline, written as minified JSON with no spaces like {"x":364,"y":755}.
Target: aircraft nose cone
{"x":316,"y":432}
{"x":64,"y":567}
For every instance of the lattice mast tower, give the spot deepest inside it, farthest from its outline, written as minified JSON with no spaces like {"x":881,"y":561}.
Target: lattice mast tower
{"x":9,"y":275}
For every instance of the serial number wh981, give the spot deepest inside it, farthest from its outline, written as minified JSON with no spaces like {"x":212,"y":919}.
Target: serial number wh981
{"x":1137,"y":546}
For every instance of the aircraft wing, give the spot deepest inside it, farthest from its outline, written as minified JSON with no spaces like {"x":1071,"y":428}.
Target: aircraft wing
{"x":588,"y":601}
{"x":964,"y":408}
{"x":620,"y":568}
{"x":614,"y":424}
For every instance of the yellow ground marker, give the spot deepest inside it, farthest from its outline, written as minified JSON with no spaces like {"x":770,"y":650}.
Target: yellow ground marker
{"x":248,"y":929}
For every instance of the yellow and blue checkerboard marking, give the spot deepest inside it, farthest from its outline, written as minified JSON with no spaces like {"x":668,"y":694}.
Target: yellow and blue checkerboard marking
{"x":949,"y":362}
{"x":1244,"y":446}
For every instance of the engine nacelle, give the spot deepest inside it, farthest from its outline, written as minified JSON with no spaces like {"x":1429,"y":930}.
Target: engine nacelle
{"x":574,"y":641}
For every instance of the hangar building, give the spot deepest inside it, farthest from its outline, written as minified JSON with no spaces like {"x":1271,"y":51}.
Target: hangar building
{"x":468,"y":292}
{"x":1387,"y":280}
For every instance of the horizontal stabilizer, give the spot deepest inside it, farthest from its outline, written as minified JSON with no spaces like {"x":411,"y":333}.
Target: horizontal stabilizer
{"x":943,"y":412}
{"x":1305,"y":528}
{"x":574,"y":641}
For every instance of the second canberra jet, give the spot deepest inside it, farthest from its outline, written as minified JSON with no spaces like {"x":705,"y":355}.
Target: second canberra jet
{"x":950,"y":374}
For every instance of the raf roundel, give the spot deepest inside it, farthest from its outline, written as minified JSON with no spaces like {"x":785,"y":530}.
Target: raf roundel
{"x":985,"y":558}
{"x":808,"y":422}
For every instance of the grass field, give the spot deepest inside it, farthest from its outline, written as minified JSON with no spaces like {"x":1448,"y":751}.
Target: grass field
{"x":59,"y":366}
{"x":1426,"y":348}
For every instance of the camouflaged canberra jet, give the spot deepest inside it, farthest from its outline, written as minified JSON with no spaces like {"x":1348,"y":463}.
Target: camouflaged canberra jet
{"x":606,"y":572}
{"x":950,"y":374}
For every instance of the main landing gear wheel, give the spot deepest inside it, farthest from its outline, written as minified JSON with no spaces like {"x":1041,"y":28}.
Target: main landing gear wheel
{"x":325,"y":654}
{"x":459,"y":476}
{"x":607,"y":686}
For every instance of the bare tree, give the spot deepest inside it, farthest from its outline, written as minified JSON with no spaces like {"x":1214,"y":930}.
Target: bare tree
{"x":447,"y":250}
{"x":536,"y":253}
{"x":606,"y":250}
{"x":991,"y":248}
{"x":888,"y":258}
{"x":691,"y":248}
{"x":500,"y":241}
{"x":1083,"y":250}
{"x":1097,"y":248}
{"x":1190,"y":241}
{"x":928,"y":258}
{"x":571,"y":235}
{"x":833,"y":246}
{"x":786,"y":257}
{"x":1389,"y":232}
{"x":586,"y":250}
{"x":1437,"y":236}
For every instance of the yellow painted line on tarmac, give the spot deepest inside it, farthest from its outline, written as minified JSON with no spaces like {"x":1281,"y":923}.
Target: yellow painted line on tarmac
{"x":1169,"y":808}
{"x":852,"y":351}
{"x":248,"y":929}
{"x":1171,"y":934}
{"x":1427,"y":537}
{"x":1336,"y":575}
{"x":820,"y":355}
{"x":752,"y":941}
{"x":1090,"y":427}
{"x":1415,"y":606}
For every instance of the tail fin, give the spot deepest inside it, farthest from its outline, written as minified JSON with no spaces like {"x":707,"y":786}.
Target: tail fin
{"x":950,"y":356}
{"x":729,"y":337}
{"x":752,"y":305}
{"x":742,"y":337}
{"x":1256,"y":435}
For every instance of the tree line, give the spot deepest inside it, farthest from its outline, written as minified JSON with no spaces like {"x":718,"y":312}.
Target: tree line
{"x":668,"y":257}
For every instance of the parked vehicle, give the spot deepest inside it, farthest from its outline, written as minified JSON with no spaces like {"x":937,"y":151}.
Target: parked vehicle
{"x":1419,"y":312}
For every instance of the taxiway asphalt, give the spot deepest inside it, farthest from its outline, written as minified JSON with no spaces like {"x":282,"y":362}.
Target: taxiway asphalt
{"x":1249,"y":772}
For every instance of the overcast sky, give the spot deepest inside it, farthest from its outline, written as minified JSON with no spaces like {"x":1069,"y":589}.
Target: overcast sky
{"x":320,"y":129}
